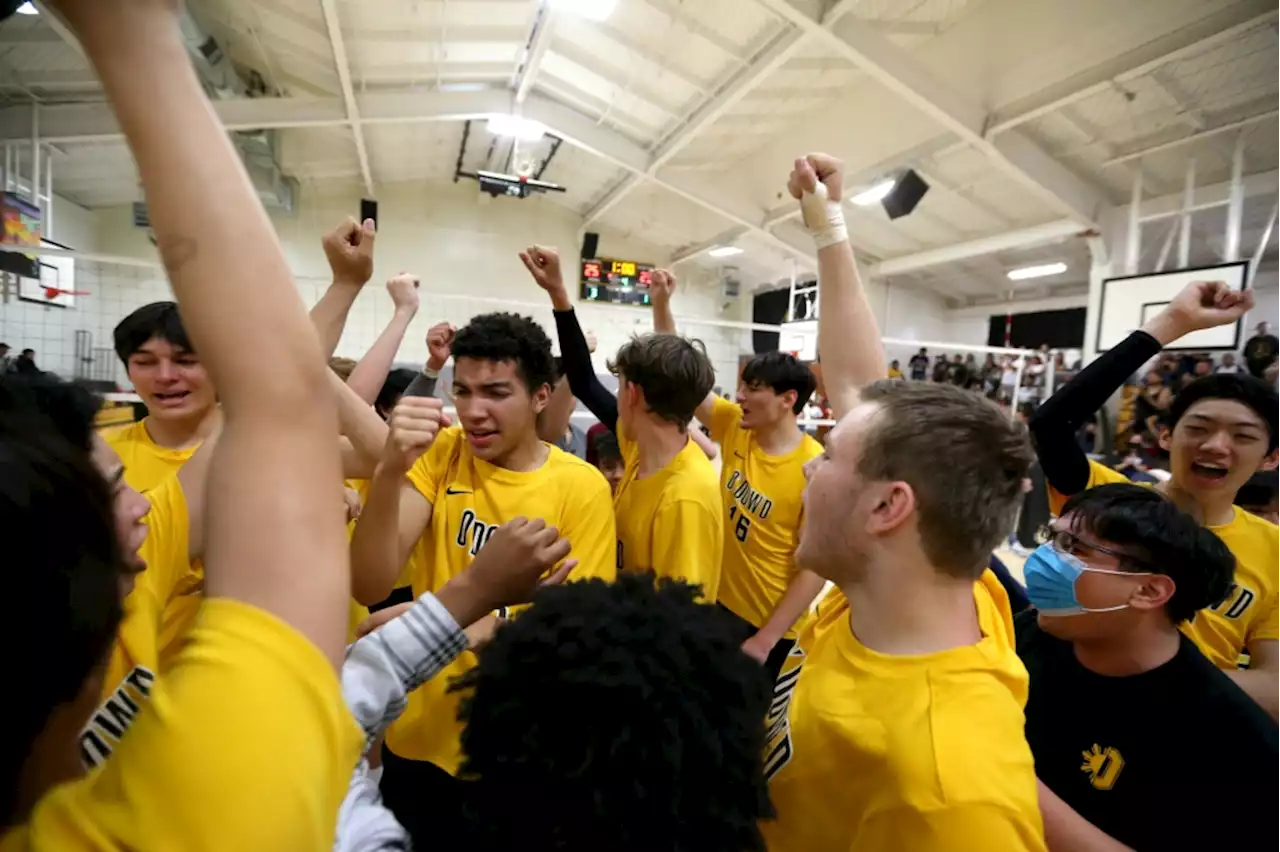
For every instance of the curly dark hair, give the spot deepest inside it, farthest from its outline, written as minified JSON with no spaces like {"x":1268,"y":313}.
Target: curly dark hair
{"x":509,"y":337}
{"x":620,"y":716}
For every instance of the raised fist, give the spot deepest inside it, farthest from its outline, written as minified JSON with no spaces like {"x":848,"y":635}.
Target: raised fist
{"x":414,"y":423}
{"x":349,"y":250}
{"x":1201,"y":304}
{"x":439,"y":344}
{"x":662,"y":283}
{"x":404,"y":292}
{"x":813,"y":169}
{"x":543,"y":264}
{"x":592,"y":342}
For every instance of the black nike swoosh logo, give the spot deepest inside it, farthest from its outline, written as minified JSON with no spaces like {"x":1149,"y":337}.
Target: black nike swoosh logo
{"x":452,"y":491}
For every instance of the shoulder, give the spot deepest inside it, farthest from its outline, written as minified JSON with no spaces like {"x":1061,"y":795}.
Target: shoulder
{"x":810,"y":447}
{"x":1217,"y":703}
{"x":568,"y":468}
{"x":122,"y":434}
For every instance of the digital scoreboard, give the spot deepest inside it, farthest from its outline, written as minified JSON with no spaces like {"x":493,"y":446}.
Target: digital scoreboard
{"x":622,"y":282}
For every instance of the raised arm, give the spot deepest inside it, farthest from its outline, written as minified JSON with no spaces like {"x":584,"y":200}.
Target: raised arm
{"x":369,"y":375}
{"x":276,"y":543}
{"x":439,"y":347}
{"x":848,"y":336}
{"x":1201,"y":304}
{"x":544,"y":265}
{"x":662,"y":286}
{"x":349,"y":250}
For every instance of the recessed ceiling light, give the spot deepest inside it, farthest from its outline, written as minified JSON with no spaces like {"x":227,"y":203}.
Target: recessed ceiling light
{"x":28,"y":9}
{"x":1039,"y":271}
{"x":514,"y":125}
{"x":724,"y":251}
{"x":592,"y":10}
{"x":462,"y":87}
{"x":875,"y":194}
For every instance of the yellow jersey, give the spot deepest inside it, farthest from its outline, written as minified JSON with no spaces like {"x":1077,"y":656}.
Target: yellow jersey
{"x":471,"y":498}
{"x":135,"y":658}
{"x":874,"y":752}
{"x":1251,"y":611}
{"x":670,"y":521}
{"x":762,"y":509}
{"x":146,"y":463}
{"x":251,"y":713}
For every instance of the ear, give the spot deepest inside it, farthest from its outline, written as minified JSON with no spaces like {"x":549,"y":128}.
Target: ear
{"x":1154,"y":593}
{"x":541,"y":398}
{"x":1165,"y":438}
{"x":790,"y":397}
{"x":895,"y":502}
{"x":1270,"y":461}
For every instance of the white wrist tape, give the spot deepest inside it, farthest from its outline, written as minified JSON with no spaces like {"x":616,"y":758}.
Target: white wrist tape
{"x":824,"y":218}
{"x":430,"y":373}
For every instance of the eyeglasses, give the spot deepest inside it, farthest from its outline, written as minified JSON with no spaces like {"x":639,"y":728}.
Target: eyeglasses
{"x":1068,"y":542}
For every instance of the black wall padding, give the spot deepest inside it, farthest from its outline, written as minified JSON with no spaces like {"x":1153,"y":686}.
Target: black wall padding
{"x":769,"y":308}
{"x":1058,"y":329}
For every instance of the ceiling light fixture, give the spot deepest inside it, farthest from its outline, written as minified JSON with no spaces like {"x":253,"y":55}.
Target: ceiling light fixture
{"x":1038,"y":271}
{"x":592,"y":10}
{"x":724,"y":251}
{"x":28,"y":8}
{"x":875,"y":194}
{"x":514,"y":125}
{"x":462,"y":87}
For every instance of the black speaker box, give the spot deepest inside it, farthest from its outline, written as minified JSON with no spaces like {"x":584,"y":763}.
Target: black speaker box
{"x":590,"y":245}
{"x":368,"y":210}
{"x":906,"y":194}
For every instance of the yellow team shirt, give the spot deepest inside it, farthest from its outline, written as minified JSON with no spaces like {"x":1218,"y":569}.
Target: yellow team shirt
{"x":762,"y":509}
{"x":246,"y":744}
{"x":1251,"y":611}
{"x":471,"y":498}
{"x":670,"y":521}
{"x":146,"y":463}
{"x":873,"y":752}
{"x":136,"y":657}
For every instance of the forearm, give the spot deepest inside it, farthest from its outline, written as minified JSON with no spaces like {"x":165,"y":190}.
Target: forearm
{"x":849,"y":345}
{"x":663,"y":320}
{"x":578,"y":370}
{"x":801,"y":592}
{"x":375,"y":546}
{"x":371,"y":372}
{"x":708,"y":446}
{"x":383,"y":667}
{"x":422,"y":385}
{"x":1262,"y":685}
{"x":358,"y":421}
{"x":1053,"y":425}
{"x":1067,"y":831}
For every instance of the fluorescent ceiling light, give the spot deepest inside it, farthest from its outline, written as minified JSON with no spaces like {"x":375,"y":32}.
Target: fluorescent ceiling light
{"x":875,"y":194}
{"x":1040,"y":271}
{"x":592,"y":10}
{"x":514,"y":125}
{"x":724,"y":251}
{"x":463,"y":87}
{"x":28,"y":9}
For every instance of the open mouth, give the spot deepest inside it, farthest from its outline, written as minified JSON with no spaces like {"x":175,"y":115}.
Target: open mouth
{"x":1209,"y":470}
{"x":481,"y":437}
{"x":172,"y":397}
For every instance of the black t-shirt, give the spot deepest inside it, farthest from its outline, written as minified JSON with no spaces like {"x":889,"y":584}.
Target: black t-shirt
{"x":919,"y":365}
{"x":1175,"y":758}
{"x":1261,"y":349}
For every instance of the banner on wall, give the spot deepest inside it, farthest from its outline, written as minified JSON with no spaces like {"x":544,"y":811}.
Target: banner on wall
{"x":21,"y":221}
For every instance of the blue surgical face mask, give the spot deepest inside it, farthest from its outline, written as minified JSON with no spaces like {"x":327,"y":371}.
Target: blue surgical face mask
{"x":1051,"y":576}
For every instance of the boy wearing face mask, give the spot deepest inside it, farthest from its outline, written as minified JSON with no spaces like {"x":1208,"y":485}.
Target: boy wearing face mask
{"x":1126,"y":718}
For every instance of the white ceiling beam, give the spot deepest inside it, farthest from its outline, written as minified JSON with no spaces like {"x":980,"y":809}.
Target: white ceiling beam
{"x":674,"y":10}
{"x":340,"y":60}
{"x":696,"y":250}
{"x":53,"y":18}
{"x":1206,"y":33}
{"x":1171,"y":91}
{"x":1049,"y":232}
{"x":1021,"y":306}
{"x":1015,"y":154}
{"x":1194,"y":137}
{"x":1261,"y":183}
{"x":539,"y":41}
{"x":772,"y":57}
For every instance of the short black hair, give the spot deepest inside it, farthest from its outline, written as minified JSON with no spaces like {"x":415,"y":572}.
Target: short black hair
{"x":1162,"y":539}
{"x":1259,"y":492}
{"x":606,"y":446}
{"x":508,"y":337}
{"x":49,"y":486}
{"x":158,"y":319}
{"x":620,"y":716}
{"x":397,"y":382}
{"x":1257,"y":395}
{"x":67,"y":408}
{"x":782,"y":372}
